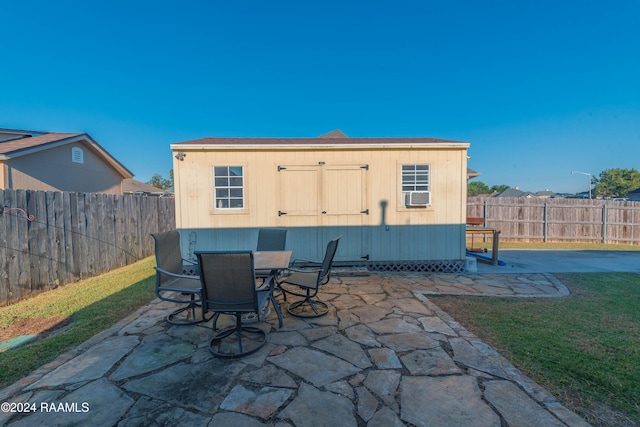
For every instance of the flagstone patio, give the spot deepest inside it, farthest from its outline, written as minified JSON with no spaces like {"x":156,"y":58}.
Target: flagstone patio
{"x":385,"y":355}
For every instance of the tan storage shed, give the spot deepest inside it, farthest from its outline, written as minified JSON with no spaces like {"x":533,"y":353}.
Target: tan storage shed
{"x":399,"y":202}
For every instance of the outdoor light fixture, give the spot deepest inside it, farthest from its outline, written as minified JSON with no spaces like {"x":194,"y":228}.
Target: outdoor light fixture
{"x":588,"y":177}
{"x":181,"y":155}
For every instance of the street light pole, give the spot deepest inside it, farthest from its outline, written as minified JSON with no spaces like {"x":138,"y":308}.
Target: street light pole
{"x":588,"y":177}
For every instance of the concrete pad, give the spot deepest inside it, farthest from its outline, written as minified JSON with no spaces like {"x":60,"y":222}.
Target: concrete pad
{"x":563,"y":261}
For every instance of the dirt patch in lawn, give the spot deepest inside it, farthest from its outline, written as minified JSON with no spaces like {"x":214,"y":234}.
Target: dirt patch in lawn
{"x":41,"y":326}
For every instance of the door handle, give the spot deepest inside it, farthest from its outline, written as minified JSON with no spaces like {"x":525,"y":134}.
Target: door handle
{"x":280,"y":213}
{"x":324,"y":212}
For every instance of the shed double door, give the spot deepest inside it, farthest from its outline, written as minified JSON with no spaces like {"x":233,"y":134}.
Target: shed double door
{"x":320,"y":202}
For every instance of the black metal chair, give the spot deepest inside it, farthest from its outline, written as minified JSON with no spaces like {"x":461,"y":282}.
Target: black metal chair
{"x":229,"y":287}
{"x":306,"y":282}
{"x":172,"y":284}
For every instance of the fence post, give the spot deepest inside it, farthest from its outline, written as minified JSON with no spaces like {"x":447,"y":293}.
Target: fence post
{"x":484,"y":216}
{"x":484,"y":213}
{"x":604,"y":223}
{"x":545,"y":223}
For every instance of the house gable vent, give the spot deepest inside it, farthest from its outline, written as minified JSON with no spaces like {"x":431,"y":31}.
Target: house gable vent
{"x":418,"y":198}
{"x":77,"y":156}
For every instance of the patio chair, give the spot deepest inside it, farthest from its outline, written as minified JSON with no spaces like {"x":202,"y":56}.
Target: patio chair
{"x":229,"y":287}
{"x":172,"y":284}
{"x":305,"y":282}
{"x":270,"y":239}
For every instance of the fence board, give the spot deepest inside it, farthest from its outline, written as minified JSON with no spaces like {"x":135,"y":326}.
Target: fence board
{"x":4,"y":248}
{"x":72,"y":236}
{"x":566,"y":220}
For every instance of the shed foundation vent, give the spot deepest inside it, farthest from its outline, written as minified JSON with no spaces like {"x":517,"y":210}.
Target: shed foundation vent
{"x":445,"y":266}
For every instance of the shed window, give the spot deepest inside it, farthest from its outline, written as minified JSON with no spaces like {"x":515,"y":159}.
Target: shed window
{"x":228,"y":187}
{"x":416,"y":187}
{"x":415,"y":177}
{"x":77,"y":156}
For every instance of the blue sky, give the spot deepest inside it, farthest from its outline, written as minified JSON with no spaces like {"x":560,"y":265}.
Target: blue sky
{"x":539,"y":88}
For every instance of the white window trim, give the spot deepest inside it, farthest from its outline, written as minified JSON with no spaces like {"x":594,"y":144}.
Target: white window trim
{"x":402,"y":204}
{"x":229,"y":210}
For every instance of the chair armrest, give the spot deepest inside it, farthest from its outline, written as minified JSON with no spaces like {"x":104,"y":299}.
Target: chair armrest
{"x":303,"y":270}
{"x":177,"y":276}
{"x":303,"y":261}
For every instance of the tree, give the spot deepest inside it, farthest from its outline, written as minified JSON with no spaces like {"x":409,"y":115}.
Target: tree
{"x":616,"y":182}
{"x":159,"y":182}
{"x":476,"y":188}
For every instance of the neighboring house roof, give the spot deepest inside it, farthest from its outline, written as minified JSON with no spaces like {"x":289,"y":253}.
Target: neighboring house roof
{"x":634,"y":195}
{"x":131,"y":186}
{"x":472,"y":174}
{"x":514,"y":192}
{"x":545,"y":193}
{"x":17,"y":133}
{"x":29,"y":143}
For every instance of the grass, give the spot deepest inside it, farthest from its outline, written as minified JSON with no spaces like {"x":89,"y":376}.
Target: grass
{"x":585,"y":348}
{"x":92,"y":305}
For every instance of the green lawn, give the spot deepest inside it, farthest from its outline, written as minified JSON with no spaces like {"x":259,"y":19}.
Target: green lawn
{"x":584,"y":348}
{"x":92,"y":305}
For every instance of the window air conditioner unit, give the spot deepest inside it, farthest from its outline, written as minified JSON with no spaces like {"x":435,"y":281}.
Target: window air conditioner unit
{"x":418,"y":198}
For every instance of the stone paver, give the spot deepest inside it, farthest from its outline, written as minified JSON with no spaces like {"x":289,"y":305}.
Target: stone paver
{"x":445,"y":401}
{"x":385,"y":355}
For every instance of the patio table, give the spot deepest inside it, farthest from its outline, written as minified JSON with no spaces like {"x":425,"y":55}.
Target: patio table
{"x":267,"y":263}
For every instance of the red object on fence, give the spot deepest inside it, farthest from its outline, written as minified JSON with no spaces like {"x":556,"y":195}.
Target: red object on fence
{"x":29,"y":217}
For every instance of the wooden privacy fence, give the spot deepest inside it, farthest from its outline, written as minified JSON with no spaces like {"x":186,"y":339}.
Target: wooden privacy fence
{"x":53,"y":238}
{"x":559,"y":220}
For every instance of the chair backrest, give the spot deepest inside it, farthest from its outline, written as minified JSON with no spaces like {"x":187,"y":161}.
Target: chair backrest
{"x":228,"y":281}
{"x":167,"y":249}
{"x":271,"y":239}
{"x":325,"y":269}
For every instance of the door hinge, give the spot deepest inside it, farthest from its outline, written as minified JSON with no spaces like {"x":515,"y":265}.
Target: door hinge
{"x":280,"y":213}
{"x":366,"y":211}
